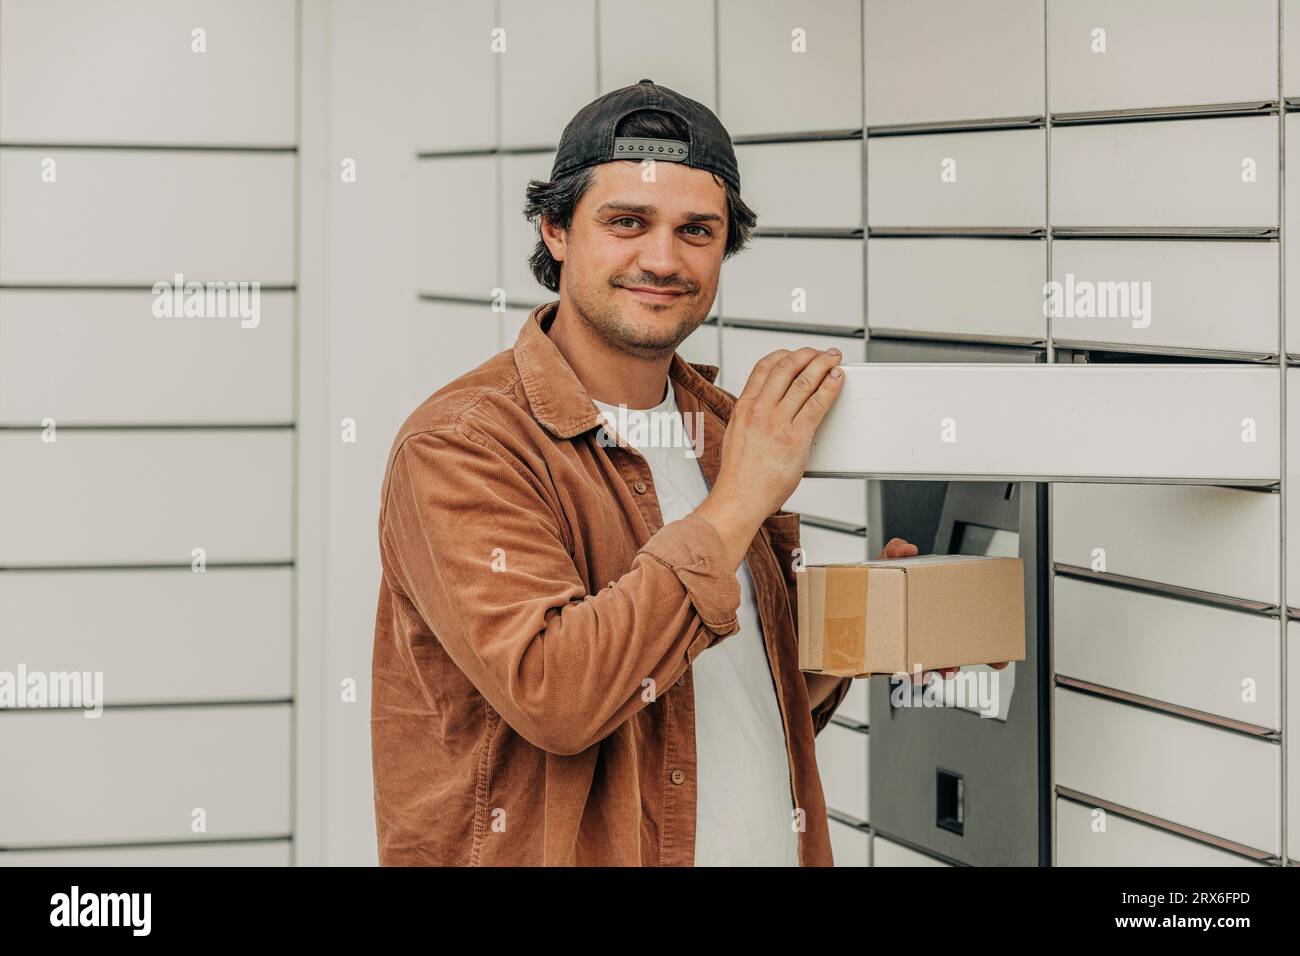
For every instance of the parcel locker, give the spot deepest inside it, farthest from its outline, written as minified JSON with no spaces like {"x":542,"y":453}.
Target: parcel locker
{"x":827,"y":546}
{"x":1090,"y":836}
{"x":850,"y":845}
{"x":777,"y":60}
{"x":519,"y":236}
{"x":967,"y":787}
{"x":1204,"y":423}
{"x":535,"y":39}
{"x":139,"y":217}
{"x":430,"y":364}
{"x":742,"y":348}
{"x":957,"y":288}
{"x":1113,"y":55}
{"x":232,"y":763}
{"x":1166,"y":296}
{"x":985,"y":180}
{"x":81,"y":71}
{"x":1218,"y":661}
{"x":702,"y":347}
{"x":842,"y":764}
{"x":888,"y":853}
{"x":146,"y":497}
{"x":460,"y":261}
{"x":796,"y":281}
{"x":1212,"y":173}
{"x":168,"y":370}
{"x":951,"y":61}
{"x":1292,"y":734}
{"x":671,"y":41}
{"x":830,"y":184}
{"x":236,"y":642}
{"x":1291,"y":228}
{"x":467,"y":64}
{"x":258,"y":853}
{"x":1216,"y":541}
{"x":838,"y":499}
{"x":1221,"y":784}
{"x":1291,"y":49}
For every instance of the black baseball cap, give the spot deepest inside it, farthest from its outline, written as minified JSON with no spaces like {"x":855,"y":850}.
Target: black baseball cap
{"x":589,"y":138}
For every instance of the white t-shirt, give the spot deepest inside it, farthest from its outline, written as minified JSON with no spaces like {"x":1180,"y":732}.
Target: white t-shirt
{"x":744,"y":807}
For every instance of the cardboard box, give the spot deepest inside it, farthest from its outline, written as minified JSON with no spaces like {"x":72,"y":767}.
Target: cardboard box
{"x":927,"y":612}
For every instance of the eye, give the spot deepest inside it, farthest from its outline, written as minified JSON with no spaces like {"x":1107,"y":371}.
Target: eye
{"x":705,"y":232}
{"x":629,"y":219}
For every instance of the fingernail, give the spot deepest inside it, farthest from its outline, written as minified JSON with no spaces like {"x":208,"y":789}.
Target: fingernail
{"x":835,"y":372}
{"x":832,"y":351}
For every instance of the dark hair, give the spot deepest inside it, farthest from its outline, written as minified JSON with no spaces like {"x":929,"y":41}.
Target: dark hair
{"x":555,"y":201}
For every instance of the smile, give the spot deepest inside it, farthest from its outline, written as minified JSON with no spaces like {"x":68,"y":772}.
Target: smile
{"x":647,"y":295}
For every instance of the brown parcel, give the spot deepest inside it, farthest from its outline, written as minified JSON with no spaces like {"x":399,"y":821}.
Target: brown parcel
{"x":927,"y":612}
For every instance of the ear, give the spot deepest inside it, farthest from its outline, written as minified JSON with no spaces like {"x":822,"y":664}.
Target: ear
{"x":555,"y":238}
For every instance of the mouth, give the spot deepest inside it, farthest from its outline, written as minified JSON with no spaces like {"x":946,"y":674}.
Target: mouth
{"x":653,"y":296}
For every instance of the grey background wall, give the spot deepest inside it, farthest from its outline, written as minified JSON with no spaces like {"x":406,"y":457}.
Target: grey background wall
{"x":920,"y":170}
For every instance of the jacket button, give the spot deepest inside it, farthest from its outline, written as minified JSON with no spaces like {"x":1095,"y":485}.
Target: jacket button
{"x":640,"y":487}
{"x":677,"y":777}
{"x":681,"y":681}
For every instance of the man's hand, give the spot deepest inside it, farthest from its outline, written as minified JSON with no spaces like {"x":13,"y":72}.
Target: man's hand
{"x":898,"y":548}
{"x":767,"y":442}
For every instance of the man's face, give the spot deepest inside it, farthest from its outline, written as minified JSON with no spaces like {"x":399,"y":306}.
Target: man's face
{"x":641,"y":259}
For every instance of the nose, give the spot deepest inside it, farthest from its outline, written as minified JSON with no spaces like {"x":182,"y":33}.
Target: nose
{"x":658,"y":254}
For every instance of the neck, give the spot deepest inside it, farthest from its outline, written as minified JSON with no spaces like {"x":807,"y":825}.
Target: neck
{"x":610,"y":375}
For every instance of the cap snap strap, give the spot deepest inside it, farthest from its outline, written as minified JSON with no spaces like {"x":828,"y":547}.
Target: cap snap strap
{"x":667,"y":150}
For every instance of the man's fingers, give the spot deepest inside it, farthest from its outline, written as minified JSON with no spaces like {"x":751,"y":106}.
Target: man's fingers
{"x":806,"y":383}
{"x":758,"y":375}
{"x":786,"y":369}
{"x":815,"y":407}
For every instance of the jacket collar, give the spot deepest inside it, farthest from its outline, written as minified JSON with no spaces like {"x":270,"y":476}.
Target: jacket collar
{"x":561,"y":403}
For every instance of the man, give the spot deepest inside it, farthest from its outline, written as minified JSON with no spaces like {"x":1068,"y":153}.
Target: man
{"x":585,"y":643}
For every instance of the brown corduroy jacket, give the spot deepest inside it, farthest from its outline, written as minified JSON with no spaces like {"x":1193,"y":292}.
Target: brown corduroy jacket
{"x":532,"y":700}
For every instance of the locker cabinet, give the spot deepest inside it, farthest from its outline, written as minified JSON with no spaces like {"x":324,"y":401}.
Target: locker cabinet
{"x":119,"y":217}
{"x":825,"y":546}
{"x":173,"y":370}
{"x":1290,"y":48}
{"x":840,"y":499}
{"x":1098,"y":422}
{"x":259,"y":853}
{"x":950,"y":61}
{"x":145,"y":497}
{"x":1088,"y":836}
{"x":672,"y":42}
{"x":1293,"y":734}
{"x":235,"y":643}
{"x":703,"y":346}
{"x":79,"y":71}
{"x":850,"y":845}
{"x":830,"y":184}
{"x":138,"y":775}
{"x":537,"y":99}
{"x":456,"y":226}
{"x":888,"y":853}
{"x":957,"y":288}
{"x":518,"y":235}
{"x":778,"y":58}
{"x":1219,"y":661}
{"x":988,"y":180}
{"x":842,"y":765}
{"x":460,"y":110}
{"x":430,"y":364}
{"x":797,"y":281}
{"x":1167,"y":296}
{"x":1291,"y":252}
{"x":1175,"y":174}
{"x":1218,"y":540}
{"x":857,"y":703}
{"x":742,"y":349}
{"x":1112,"y":55}
{"x":1218,"y":782}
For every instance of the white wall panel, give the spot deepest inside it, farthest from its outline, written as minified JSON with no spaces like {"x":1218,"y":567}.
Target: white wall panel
{"x":145,"y":497}
{"x":158,"y":636}
{"x":81,"y":71}
{"x":548,"y":69}
{"x":139,"y":775}
{"x":105,"y":358}
{"x":127,"y":217}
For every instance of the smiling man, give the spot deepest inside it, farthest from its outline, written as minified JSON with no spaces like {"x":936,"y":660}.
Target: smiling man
{"x":585,"y":642}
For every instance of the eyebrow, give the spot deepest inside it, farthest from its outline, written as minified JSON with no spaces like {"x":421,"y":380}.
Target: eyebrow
{"x":650,"y":211}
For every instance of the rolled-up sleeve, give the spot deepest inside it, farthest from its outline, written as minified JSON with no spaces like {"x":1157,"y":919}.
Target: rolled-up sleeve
{"x":469,"y":536}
